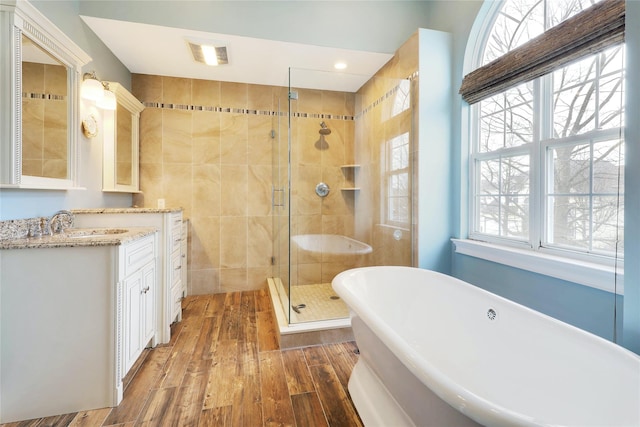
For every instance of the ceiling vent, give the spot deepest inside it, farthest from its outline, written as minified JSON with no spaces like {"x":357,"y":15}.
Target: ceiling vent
{"x":210,"y":54}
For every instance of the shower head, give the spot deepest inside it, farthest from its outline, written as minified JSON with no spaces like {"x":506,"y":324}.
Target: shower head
{"x":324,"y":129}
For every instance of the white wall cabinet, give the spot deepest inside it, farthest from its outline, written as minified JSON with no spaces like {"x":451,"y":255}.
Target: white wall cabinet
{"x":73,"y":319}
{"x":171,"y":265}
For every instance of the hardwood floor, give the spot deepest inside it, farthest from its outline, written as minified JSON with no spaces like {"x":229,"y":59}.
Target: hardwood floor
{"x":223,"y":367}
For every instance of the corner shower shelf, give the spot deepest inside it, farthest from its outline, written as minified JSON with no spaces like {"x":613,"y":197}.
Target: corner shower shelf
{"x":349,"y":171}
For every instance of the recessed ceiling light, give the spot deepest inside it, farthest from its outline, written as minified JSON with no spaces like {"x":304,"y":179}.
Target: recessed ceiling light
{"x":340,"y":65}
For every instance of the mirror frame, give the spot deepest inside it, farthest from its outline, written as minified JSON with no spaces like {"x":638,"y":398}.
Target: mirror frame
{"x":18,"y":17}
{"x":109,"y":168}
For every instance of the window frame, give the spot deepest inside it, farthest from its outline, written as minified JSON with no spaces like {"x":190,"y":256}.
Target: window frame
{"x":593,"y":270}
{"x":388,"y":173}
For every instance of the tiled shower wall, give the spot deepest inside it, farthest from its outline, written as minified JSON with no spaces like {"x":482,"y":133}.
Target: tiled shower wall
{"x":380,"y":118}
{"x":206,"y":146}
{"x":319,"y":158}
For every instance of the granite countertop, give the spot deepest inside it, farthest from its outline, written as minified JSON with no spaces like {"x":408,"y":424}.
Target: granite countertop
{"x":124,"y":210}
{"x":74,"y":237}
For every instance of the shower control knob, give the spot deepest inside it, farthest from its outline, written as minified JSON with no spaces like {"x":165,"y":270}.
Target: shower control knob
{"x":322,"y":189}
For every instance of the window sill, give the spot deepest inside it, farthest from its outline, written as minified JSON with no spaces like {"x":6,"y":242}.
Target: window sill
{"x":580,"y":272}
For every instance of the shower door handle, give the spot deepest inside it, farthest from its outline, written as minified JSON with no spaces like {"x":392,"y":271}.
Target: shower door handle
{"x":277,"y":197}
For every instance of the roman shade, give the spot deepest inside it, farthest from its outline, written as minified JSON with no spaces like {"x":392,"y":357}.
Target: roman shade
{"x":590,"y":31}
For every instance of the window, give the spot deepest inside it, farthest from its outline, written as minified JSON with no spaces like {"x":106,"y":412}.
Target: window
{"x":396,"y":173}
{"x":546,"y":158}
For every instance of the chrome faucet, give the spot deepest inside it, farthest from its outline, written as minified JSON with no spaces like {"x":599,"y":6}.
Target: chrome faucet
{"x":55,"y":220}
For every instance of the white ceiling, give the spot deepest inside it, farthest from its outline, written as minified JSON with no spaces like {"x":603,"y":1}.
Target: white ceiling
{"x":158,"y":50}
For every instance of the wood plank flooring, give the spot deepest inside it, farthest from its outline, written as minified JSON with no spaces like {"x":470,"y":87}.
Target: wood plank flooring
{"x":223,"y":368}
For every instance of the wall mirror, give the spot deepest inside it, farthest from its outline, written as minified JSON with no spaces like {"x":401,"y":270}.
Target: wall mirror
{"x":39,"y":92}
{"x":120,"y":170}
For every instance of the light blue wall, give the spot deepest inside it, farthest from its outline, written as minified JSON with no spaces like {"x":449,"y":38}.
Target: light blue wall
{"x":587,"y":308}
{"x":434,"y":154}
{"x":631,"y":334}
{"x":29,"y":203}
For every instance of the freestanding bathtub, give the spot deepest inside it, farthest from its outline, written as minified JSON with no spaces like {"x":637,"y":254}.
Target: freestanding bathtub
{"x":437,"y":351}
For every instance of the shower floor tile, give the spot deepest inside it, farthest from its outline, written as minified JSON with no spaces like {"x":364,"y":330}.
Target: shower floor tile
{"x":319,"y":303}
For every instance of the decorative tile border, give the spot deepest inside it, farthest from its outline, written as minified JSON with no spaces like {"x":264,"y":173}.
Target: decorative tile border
{"x":246,"y":111}
{"x":51,"y":96}
{"x":252,"y":112}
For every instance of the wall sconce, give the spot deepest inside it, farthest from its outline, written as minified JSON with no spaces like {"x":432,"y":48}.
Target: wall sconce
{"x":108,"y":100}
{"x":97,"y":91}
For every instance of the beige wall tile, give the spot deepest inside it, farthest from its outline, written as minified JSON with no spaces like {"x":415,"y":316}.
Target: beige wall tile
{"x":334,"y":154}
{"x":234,"y":134}
{"x":233,"y":242}
{"x":257,"y":277}
{"x":260,"y":97}
{"x":147,"y":88}
{"x":151,"y":135}
{"x":309,"y":100}
{"x":176,"y":136}
{"x":177,"y":184}
{"x":233,"y":95}
{"x":259,"y":190}
{"x":234,"y":280}
{"x":206,"y":190}
{"x":151,"y":184}
{"x":204,"y":282}
{"x":234,"y":190}
{"x":260,"y":143}
{"x":259,"y":241}
{"x":206,"y":137}
{"x":335,"y":102}
{"x":205,"y":93}
{"x":204,"y":243}
{"x":309,"y":274}
{"x":176,"y":90}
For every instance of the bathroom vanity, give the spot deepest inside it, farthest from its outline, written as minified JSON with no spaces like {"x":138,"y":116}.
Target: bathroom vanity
{"x":172,"y":254}
{"x":76,"y":311}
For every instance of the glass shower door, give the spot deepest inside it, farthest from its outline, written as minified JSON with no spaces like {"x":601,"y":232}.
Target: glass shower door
{"x":280,"y":202}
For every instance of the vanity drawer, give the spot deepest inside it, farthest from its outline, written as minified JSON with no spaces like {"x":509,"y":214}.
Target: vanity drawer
{"x":138,"y":253}
{"x":175,"y":234}
{"x":176,"y":301}
{"x":176,"y":268}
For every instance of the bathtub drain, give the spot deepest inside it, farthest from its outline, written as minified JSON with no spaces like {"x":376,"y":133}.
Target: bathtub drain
{"x":491,"y":314}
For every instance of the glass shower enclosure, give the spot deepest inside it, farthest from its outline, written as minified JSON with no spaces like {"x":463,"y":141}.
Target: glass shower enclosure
{"x":342,"y":185}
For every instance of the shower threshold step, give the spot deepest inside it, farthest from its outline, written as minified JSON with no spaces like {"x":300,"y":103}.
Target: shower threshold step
{"x":307,"y":333}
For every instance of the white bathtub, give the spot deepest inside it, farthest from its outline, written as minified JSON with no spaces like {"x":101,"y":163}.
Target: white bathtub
{"x":426,"y":338}
{"x":334,"y":244}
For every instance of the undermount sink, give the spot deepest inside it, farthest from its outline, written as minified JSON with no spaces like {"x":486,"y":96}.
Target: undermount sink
{"x":83,"y":233}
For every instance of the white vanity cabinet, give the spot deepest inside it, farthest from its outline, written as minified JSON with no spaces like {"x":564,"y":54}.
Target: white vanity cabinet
{"x":74,"y":316}
{"x":139,"y":302}
{"x":170,"y":262}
